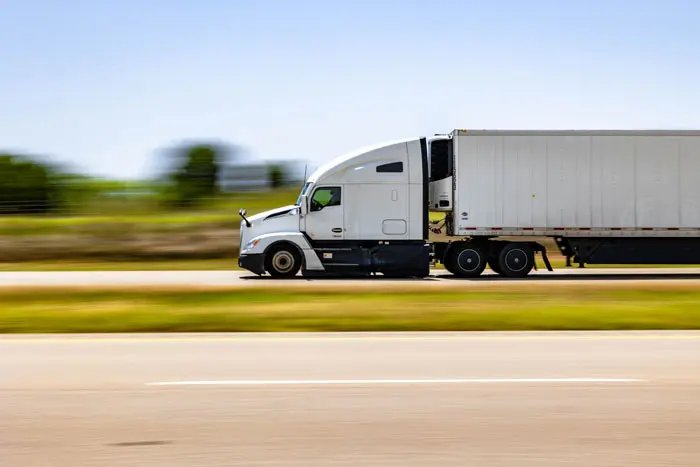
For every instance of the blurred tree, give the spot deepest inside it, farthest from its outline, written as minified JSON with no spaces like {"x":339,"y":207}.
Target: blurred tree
{"x":26,"y":186}
{"x":276,"y":176}
{"x":196,"y":174}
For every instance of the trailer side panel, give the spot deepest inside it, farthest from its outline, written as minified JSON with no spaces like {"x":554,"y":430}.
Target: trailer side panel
{"x":577,"y":184}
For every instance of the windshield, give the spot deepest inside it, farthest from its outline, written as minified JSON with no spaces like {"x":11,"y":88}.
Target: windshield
{"x":304,"y":190}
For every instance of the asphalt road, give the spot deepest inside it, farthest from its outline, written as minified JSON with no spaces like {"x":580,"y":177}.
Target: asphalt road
{"x":490,"y":399}
{"x":240,"y":278}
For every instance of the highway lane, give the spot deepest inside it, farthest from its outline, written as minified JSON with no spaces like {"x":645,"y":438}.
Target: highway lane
{"x":242,"y":278}
{"x":478,"y":399}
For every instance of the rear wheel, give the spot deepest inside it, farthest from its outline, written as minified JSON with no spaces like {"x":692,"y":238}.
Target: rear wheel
{"x":466,"y":260}
{"x":448,"y":268}
{"x":493,"y":261}
{"x":516,"y":260}
{"x":495,"y":267}
{"x":448,"y":264}
{"x":283,"y":261}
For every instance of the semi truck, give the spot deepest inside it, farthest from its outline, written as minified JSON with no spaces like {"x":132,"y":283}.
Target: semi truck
{"x":605,"y":197}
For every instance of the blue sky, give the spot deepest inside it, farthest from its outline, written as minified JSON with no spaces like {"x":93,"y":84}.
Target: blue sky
{"x":105,"y":85}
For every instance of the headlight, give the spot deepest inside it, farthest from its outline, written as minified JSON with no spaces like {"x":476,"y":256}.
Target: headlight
{"x":251,"y":244}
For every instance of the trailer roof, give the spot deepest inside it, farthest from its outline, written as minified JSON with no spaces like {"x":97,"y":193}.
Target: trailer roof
{"x":461,"y":132}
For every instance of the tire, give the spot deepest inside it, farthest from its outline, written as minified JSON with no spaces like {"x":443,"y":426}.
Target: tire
{"x":448,"y":268}
{"x":282,"y":261}
{"x":466,"y":260}
{"x":493,"y":261}
{"x":495,"y":266}
{"x":516,"y":260}
{"x":447,"y":263}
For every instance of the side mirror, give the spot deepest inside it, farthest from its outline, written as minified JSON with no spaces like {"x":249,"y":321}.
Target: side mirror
{"x":303,"y":208}
{"x":241,"y":212}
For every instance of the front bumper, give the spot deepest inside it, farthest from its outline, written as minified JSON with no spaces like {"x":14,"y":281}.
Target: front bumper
{"x":254,"y":263}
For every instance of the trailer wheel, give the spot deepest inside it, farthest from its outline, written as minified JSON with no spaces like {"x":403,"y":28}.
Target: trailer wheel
{"x":282,"y":261}
{"x":495,"y":266}
{"x":493,"y":257}
{"x":516,"y":260}
{"x":447,"y":262}
{"x":466,"y":260}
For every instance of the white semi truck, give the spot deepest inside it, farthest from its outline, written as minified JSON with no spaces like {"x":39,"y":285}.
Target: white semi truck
{"x":606,"y":197}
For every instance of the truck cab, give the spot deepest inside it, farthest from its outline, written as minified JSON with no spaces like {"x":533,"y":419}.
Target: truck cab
{"x":363,"y":213}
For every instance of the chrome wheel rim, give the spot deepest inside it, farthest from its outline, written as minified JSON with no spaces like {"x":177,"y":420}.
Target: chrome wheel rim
{"x":468,"y":260}
{"x":283,"y":261}
{"x":516,"y":260}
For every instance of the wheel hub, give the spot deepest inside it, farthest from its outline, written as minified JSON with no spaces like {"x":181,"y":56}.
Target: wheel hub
{"x":283,"y":261}
{"x":516,"y":260}
{"x":468,"y":260}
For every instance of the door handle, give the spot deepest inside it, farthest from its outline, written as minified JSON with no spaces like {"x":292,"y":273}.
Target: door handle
{"x":337,"y":230}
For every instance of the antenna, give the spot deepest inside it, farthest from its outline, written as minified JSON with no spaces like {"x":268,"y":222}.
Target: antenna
{"x":305,"y":167}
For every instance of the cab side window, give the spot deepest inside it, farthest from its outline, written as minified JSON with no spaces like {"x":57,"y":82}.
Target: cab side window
{"x":325,"y":197}
{"x":392,"y":167}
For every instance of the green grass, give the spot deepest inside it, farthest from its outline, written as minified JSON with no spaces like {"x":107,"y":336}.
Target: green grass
{"x":222,"y":212}
{"x":396,"y":308}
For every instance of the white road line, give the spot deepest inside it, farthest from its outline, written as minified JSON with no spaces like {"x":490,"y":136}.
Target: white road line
{"x":392,"y":381}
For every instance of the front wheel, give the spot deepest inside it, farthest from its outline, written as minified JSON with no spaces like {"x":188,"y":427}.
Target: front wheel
{"x":283,"y":261}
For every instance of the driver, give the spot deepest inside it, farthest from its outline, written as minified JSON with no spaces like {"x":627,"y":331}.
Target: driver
{"x":335,"y":199}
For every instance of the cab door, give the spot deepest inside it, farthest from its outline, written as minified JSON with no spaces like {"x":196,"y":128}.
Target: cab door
{"x":324,"y":219}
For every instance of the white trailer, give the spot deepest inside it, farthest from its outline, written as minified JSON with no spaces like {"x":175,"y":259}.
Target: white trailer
{"x":615,"y":197}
